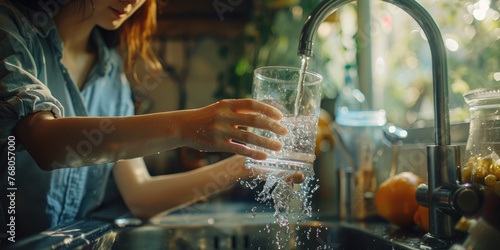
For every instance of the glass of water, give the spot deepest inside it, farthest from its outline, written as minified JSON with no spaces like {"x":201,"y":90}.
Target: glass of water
{"x":300,"y":105}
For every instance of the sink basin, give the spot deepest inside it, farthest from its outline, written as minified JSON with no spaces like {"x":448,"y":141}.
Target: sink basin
{"x":212,"y":234}
{"x":305,"y":236}
{"x":228,"y":228}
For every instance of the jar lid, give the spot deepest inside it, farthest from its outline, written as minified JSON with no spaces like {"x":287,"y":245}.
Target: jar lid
{"x":365,"y":118}
{"x":483,"y":96}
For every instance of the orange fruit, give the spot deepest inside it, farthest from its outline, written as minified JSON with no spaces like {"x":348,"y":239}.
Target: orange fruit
{"x":421,"y":218}
{"x":396,"y":199}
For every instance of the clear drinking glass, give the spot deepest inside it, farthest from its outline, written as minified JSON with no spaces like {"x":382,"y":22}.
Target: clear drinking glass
{"x":278,"y":86}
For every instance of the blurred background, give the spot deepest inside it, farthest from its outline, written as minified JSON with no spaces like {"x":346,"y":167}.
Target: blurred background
{"x":209,"y":50}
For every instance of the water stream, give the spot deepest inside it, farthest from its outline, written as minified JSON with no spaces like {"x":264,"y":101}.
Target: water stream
{"x":300,"y":84}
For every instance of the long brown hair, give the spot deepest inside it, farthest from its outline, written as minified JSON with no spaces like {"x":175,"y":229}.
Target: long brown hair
{"x":134,"y":38}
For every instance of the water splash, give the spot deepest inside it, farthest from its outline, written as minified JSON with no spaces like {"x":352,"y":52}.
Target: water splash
{"x":291,"y":202}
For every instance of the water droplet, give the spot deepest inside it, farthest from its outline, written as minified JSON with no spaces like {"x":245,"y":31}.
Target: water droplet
{"x":288,"y":201}
{"x":254,"y":211}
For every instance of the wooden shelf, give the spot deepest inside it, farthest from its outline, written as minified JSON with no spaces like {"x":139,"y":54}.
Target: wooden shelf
{"x":194,"y":18}
{"x":189,"y":28}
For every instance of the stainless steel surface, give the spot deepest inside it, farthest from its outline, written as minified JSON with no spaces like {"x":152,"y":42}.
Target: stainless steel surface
{"x":309,"y":235}
{"x":221,"y":225}
{"x":443,"y":159}
{"x":73,"y":236}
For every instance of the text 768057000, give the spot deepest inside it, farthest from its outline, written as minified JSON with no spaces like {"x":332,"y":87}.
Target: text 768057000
{"x":11,"y":188}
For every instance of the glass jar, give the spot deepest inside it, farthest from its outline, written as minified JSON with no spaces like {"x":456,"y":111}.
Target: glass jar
{"x":482,"y":162}
{"x":361,"y":134}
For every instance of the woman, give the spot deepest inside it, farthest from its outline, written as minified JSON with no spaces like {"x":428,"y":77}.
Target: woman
{"x":65,"y":105}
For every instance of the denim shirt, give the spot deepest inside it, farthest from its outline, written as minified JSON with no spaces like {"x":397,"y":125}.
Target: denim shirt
{"x":32,"y":78}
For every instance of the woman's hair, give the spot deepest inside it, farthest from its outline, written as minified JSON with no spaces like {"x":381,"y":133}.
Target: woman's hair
{"x":133,"y":38}
{"x":135,"y":35}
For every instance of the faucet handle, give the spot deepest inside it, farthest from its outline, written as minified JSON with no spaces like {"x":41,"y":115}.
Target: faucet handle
{"x":467,"y":200}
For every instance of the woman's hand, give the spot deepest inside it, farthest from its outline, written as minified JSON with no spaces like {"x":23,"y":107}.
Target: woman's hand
{"x":216,"y":127}
{"x":145,"y":194}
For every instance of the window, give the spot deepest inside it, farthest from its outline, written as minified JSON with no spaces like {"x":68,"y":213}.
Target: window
{"x":401,"y":64}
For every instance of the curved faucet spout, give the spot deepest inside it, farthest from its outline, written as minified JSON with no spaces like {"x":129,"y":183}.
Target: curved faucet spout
{"x":438,"y":53}
{"x":312,"y":23}
{"x":443,"y":159}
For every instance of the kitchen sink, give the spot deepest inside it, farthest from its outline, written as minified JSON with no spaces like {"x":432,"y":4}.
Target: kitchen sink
{"x":231,"y":227}
{"x":219,"y":233}
{"x":303,"y":236}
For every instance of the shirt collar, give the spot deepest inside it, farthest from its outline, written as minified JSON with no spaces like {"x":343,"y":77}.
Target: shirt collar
{"x":105,"y":62}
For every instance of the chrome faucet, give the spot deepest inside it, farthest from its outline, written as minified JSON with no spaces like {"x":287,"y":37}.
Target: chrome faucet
{"x":446,"y":198}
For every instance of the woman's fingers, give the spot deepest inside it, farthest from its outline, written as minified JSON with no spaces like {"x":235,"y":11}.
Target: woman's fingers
{"x":243,"y":150}
{"x":253,"y":106}
{"x":238,"y":135}
{"x":291,"y":177}
{"x":296,"y":177}
{"x":258,"y":121}
{"x":251,"y":113}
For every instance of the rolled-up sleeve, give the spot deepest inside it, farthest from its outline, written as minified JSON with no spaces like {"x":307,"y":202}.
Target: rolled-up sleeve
{"x":21,"y":92}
